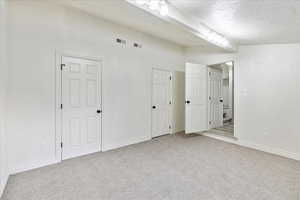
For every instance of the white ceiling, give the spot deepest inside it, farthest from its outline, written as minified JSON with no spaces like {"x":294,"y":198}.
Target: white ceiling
{"x":247,"y":21}
{"x":121,"y":12}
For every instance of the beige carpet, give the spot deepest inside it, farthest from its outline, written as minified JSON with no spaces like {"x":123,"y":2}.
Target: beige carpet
{"x":167,"y":168}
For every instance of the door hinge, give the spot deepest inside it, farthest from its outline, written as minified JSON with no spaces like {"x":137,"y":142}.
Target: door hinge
{"x":61,"y":106}
{"x":209,"y":122}
{"x":62,"y":66}
{"x":170,"y":102}
{"x":209,"y":98}
{"x":170,"y":127}
{"x":61,"y":145}
{"x":170,"y":78}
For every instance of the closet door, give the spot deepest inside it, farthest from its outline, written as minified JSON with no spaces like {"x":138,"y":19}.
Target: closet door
{"x":161,"y":102}
{"x":81,"y":103}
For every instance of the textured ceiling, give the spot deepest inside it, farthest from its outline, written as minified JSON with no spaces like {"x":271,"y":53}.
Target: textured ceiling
{"x":247,"y":21}
{"x":121,"y":12}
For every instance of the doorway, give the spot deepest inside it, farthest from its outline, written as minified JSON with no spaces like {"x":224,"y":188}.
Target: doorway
{"x":161,"y":102}
{"x":81,"y":106}
{"x":220,"y":97}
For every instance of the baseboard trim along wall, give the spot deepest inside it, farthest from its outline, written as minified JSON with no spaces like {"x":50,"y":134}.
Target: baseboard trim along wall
{"x":31,"y":167}
{"x":271,"y":150}
{"x":259,"y":147}
{"x":128,"y":143}
{"x":3,"y":185}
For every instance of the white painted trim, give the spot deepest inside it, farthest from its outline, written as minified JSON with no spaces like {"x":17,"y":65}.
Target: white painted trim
{"x":58,"y":113}
{"x":259,"y":147}
{"x":31,"y":167}
{"x":272,"y":150}
{"x":58,"y":98}
{"x":3,"y":185}
{"x":220,"y":137}
{"x":172,"y":98}
{"x":117,"y":146}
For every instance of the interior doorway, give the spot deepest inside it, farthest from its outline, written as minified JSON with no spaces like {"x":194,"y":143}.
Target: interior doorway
{"x":221,"y":98}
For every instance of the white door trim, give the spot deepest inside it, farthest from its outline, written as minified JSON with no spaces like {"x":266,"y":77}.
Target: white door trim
{"x":172,"y":98}
{"x":58,"y":98}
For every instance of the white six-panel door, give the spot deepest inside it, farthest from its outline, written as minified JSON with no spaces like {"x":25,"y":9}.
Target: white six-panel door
{"x":196,"y":98}
{"x":215,"y":84}
{"x":81,"y":107}
{"x":161,"y":102}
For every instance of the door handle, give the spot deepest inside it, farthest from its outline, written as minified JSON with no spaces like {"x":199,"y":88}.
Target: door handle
{"x":154,"y":107}
{"x":221,"y":100}
{"x":187,"y":102}
{"x":99,"y":111}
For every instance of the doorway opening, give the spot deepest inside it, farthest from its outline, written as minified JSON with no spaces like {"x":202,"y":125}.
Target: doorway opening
{"x":221,"y":98}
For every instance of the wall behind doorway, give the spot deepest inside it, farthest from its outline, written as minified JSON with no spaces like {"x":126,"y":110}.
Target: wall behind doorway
{"x":269,"y":98}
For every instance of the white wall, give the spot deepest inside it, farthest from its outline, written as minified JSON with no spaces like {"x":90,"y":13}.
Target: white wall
{"x":268,"y":78}
{"x":36,"y":31}
{"x":179,"y":103}
{"x":3,"y":94}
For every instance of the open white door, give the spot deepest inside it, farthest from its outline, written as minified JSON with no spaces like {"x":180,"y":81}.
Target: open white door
{"x":161,"y":102}
{"x":196,"y":98}
{"x":81,"y":107}
{"x":215,"y":84}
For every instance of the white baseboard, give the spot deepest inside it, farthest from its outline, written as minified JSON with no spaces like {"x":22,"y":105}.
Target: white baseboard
{"x":271,"y":150}
{"x":3,"y":184}
{"x":31,"y":167}
{"x":221,"y":137}
{"x":178,"y":131}
{"x":47,"y":163}
{"x":259,"y":147}
{"x":116,"y":146}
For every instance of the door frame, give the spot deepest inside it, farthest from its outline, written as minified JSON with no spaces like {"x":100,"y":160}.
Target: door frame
{"x":234,"y":95}
{"x":172,"y":100}
{"x":58,"y":99}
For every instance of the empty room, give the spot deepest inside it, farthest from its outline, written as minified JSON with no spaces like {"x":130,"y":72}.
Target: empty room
{"x":149,"y":99}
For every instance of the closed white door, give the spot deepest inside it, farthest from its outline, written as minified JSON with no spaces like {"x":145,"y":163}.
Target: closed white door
{"x":81,"y":107}
{"x":161,"y":102}
{"x":196,"y":98}
{"x":215,"y":83}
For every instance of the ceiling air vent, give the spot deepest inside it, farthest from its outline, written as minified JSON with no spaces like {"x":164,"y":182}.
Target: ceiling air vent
{"x":118,"y":40}
{"x":137,"y":45}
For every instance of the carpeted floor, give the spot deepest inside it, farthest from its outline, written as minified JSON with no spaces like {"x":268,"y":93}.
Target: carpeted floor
{"x":168,"y":168}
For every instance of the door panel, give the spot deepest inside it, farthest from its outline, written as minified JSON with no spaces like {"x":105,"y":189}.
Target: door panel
{"x":196,"y":98}
{"x":215,"y":98}
{"x":161,"y":102}
{"x":81,"y":98}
